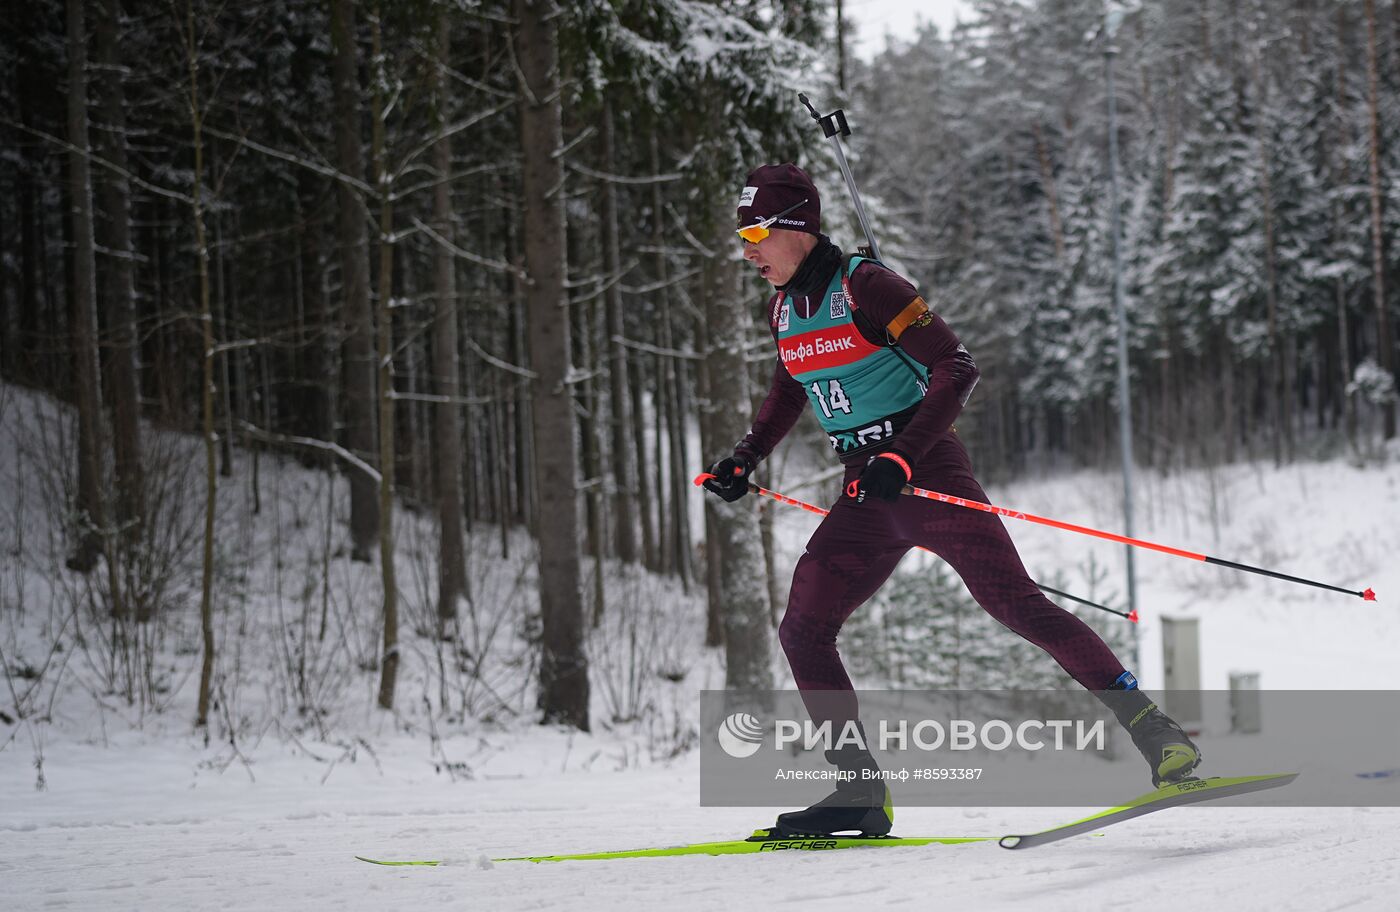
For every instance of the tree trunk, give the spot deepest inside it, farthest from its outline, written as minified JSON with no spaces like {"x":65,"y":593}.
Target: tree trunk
{"x":122,"y":382}
{"x":678,"y":411}
{"x":211,"y":477}
{"x":389,"y":669}
{"x":221,"y":308}
{"x":662,"y":432}
{"x":714,"y":580}
{"x":503,"y":479}
{"x":354,"y":253}
{"x":841,"y":46}
{"x":7,"y":339}
{"x":770,"y":563}
{"x":447,"y":425}
{"x":30,"y":234}
{"x":1385,"y":344}
{"x":1047,"y":178}
{"x":737,"y":548}
{"x":591,"y":432}
{"x":661,"y":389}
{"x":527,"y":506}
{"x":1338,"y":229}
{"x":87,"y":376}
{"x":29,"y":281}
{"x":1228,"y":401}
{"x":1276,"y":392}
{"x":645,"y":469}
{"x":624,"y":429}
{"x":672,"y":377}
{"x":1207,"y":52}
{"x":1173,"y":122}
{"x":601,"y":411}
{"x":317,"y":341}
{"x":563,"y":694}
{"x":1395,"y":24}
{"x":418,"y":414}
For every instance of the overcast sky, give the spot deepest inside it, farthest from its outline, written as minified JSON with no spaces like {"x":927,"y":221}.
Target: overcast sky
{"x":867,"y":21}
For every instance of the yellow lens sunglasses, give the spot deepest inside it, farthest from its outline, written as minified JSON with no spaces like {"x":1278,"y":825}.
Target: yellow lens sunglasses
{"x":760,"y":229}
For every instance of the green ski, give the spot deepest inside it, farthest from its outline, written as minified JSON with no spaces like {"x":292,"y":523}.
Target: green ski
{"x":1190,"y":791}
{"x":765,"y":840}
{"x":397,"y":863}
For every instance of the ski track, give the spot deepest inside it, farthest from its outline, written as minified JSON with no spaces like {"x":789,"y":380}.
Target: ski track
{"x":239,"y":845}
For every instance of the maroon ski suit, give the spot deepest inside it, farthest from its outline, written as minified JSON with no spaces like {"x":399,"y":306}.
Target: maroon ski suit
{"x":856,"y":547}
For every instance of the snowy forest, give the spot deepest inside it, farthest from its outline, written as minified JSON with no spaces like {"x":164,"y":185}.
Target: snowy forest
{"x":359,"y":356}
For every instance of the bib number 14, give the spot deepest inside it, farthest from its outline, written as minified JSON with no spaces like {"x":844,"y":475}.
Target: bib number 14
{"x":835,"y":399}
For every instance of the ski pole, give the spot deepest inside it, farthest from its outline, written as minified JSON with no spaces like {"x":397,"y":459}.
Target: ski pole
{"x":812,"y":508}
{"x":834,"y":127}
{"x":1365,"y":594}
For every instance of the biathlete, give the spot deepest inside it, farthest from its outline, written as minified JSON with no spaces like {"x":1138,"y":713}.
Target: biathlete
{"x":886,"y":377}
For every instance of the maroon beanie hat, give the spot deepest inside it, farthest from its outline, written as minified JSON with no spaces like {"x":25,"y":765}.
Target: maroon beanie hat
{"x":770,"y":189}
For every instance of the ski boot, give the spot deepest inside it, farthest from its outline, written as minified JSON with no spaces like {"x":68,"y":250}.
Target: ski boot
{"x":859,"y":803}
{"x":1163,"y":744}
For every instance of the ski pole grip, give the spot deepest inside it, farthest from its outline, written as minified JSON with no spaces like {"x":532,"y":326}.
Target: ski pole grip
{"x":706,"y":476}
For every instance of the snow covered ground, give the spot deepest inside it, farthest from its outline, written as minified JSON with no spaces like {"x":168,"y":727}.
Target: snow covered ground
{"x":143,"y":827}
{"x":136,"y":812}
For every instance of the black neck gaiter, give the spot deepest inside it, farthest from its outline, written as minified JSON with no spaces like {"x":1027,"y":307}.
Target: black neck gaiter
{"x":812,"y":277}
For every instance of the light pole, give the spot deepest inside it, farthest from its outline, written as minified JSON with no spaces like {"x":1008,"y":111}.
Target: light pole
{"x":1112,"y":18}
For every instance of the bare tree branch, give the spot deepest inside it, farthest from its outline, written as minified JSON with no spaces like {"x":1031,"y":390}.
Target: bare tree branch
{"x":317,"y":167}
{"x":621,"y":178}
{"x":99,"y":160}
{"x":658,"y":350}
{"x":267,"y":436}
{"x":497,"y":362}
{"x":467,"y":255}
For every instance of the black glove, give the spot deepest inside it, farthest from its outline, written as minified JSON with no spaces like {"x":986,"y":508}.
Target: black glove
{"x":728,"y":483}
{"x":883,"y":479}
